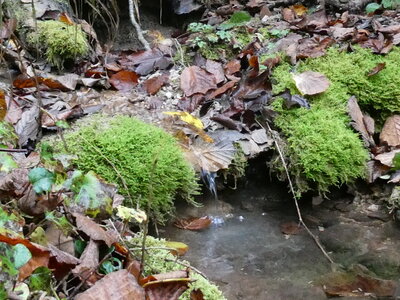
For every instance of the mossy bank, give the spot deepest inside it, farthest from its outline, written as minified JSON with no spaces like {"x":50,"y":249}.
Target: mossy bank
{"x":145,"y":161}
{"x":322,"y":147}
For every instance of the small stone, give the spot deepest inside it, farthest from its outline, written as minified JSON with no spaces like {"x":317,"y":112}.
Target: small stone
{"x":373,"y":207}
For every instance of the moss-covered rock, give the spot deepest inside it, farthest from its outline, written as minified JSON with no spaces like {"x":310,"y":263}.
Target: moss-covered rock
{"x":59,"y":41}
{"x":146,"y":157}
{"x":161,"y":261}
{"x":322,"y":147}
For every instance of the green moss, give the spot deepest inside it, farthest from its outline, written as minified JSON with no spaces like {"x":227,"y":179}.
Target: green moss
{"x":162,"y":261}
{"x":347,"y":72}
{"x":149,"y":160}
{"x":59,"y":41}
{"x":321,"y":146}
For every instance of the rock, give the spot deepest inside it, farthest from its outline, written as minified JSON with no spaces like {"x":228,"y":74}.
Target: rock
{"x":350,"y":5}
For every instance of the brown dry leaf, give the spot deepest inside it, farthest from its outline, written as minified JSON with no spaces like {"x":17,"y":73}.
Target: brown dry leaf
{"x":391,"y":131}
{"x":124,"y":80}
{"x":169,"y":285}
{"x":359,"y":121}
{"x":387,"y":158}
{"x":211,"y":157}
{"x":375,"y":170}
{"x":64,"y":83}
{"x":216,"y":69}
{"x":89,"y":263}
{"x":232,"y":67}
{"x":94,"y":230}
{"x":222,"y":90}
{"x":193,"y":223}
{"x":288,"y":15}
{"x":311,"y":83}
{"x":291,"y":228}
{"x":379,"y":67}
{"x":120,"y":285}
{"x":195,"y":80}
{"x":23,"y":81}
{"x":153,"y":85}
{"x":66,"y":19}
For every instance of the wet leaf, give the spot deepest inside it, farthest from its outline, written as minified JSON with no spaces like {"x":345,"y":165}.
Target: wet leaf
{"x":211,"y":157}
{"x":40,"y":280}
{"x":94,"y":230}
{"x":195,"y":80}
{"x":391,"y":131}
{"x":291,"y":228}
{"x":120,"y":285}
{"x":153,"y":85}
{"x":379,"y":67}
{"x":311,"y":83}
{"x":41,"y":179}
{"x":193,"y":223}
{"x":188,"y":118}
{"x":124,"y":80}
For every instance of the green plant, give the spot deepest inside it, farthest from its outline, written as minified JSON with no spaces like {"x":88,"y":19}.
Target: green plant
{"x":386,"y":4}
{"x":158,"y":260}
{"x":145,"y":161}
{"x":59,"y":41}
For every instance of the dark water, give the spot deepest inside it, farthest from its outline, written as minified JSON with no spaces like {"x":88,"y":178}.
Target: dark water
{"x":244,"y":251}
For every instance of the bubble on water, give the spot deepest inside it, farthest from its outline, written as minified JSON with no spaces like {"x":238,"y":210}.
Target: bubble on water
{"x":217,"y":220}
{"x":241,"y":218}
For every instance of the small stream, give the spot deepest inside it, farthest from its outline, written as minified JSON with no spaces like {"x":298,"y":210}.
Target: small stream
{"x":244,"y":251}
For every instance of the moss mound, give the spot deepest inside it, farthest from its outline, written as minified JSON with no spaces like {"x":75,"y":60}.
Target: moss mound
{"x":322,"y":147}
{"x":162,"y":261}
{"x":59,"y":41}
{"x":149,"y":160}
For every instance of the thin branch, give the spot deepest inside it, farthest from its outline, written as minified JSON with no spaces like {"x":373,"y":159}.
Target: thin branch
{"x":132,"y":6}
{"x":278,"y":148}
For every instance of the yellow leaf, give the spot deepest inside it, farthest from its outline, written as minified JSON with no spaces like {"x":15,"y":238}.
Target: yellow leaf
{"x":186,"y":117}
{"x":180,"y":248}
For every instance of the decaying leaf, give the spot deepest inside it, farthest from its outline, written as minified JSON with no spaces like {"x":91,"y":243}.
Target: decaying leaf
{"x":193,"y":223}
{"x":169,"y":285}
{"x":89,"y":263}
{"x":195,"y":80}
{"x":311,"y":83}
{"x":154,"y":84}
{"x":387,"y":158}
{"x":291,"y":228}
{"x":119,"y":285}
{"x":360,"y":123}
{"x":379,"y":67}
{"x":94,"y":230}
{"x":216,"y":69}
{"x":124,"y":80}
{"x":391,"y":131}
{"x":211,"y":157}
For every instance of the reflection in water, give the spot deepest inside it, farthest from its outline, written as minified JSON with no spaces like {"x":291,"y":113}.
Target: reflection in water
{"x":244,"y":251}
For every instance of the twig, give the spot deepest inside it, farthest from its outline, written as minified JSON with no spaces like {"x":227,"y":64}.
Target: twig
{"x":295,"y":197}
{"x":139,"y":31}
{"x":187,"y":266}
{"x":14,"y":150}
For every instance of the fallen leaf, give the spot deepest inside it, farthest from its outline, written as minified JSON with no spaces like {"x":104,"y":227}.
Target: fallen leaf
{"x":311,"y":83}
{"x":358,"y":122}
{"x":27,"y":127}
{"x":195,"y":80}
{"x":153,"y":85}
{"x":3,"y":105}
{"x":391,"y":131}
{"x":119,"y":285}
{"x":89,"y":263}
{"x":196,"y":295}
{"x":216,"y":69}
{"x":193,"y":223}
{"x":94,"y":230}
{"x":387,"y":158}
{"x":124,"y":80}
{"x":294,"y":100}
{"x":186,"y":117}
{"x":23,"y":81}
{"x":299,"y":9}
{"x":145,"y":62}
{"x":211,"y":157}
{"x":221,"y":90}
{"x":179,"y":248}
{"x":232,"y":67}
{"x":66,"y":19}
{"x":379,"y":67}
